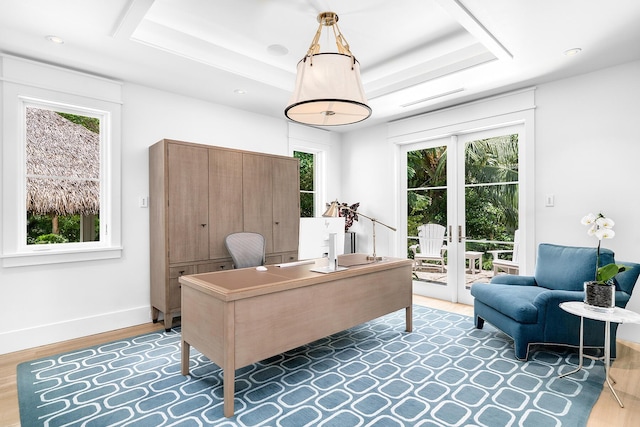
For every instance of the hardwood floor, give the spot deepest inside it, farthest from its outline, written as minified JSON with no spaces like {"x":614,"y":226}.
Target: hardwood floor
{"x":606,"y":412}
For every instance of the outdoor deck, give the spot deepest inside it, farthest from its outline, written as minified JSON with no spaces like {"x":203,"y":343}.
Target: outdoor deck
{"x":435,"y":276}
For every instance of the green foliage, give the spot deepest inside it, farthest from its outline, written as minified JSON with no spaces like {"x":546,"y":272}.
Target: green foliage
{"x":91,"y":123}
{"x":50,"y":238}
{"x":307,"y":188}
{"x":69,"y":228}
{"x":37,"y":225}
{"x":306,"y":205}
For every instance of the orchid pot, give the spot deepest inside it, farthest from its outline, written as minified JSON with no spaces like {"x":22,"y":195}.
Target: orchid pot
{"x":600,"y":296}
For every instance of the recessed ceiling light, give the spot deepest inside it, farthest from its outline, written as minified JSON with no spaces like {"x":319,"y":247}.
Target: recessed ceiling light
{"x":277,"y":50}
{"x":572,"y":52}
{"x":240,"y":91}
{"x":55,"y":39}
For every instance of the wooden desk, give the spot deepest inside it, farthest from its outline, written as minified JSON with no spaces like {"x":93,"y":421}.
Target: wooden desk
{"x":240,"y":317}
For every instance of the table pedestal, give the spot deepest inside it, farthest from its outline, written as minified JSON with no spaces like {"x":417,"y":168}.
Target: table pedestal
{"x":607,"y":357}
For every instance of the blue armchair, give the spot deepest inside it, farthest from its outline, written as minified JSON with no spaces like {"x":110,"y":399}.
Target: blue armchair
{"x":527,"y":307}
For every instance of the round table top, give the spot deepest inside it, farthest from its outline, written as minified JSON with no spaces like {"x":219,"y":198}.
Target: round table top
{"x":619,"y":315}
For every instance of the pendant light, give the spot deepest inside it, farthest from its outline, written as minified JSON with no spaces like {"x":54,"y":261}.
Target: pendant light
{"x":328,"y":88}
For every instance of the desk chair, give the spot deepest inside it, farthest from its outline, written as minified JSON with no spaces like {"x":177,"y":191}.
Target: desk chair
{"x":246,"y":249}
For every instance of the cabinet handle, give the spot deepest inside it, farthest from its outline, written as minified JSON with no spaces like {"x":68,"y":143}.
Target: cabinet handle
{"x":203,"y":225}
{"x":277,"y":223}
{"x":222,"y":267}
{"x":181,"y":272}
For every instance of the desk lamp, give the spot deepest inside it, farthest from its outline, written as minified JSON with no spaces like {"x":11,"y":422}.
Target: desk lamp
{"x":334,"y":211}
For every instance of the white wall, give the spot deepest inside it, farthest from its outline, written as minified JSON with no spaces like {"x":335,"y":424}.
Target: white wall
{"x":369,"y":176}
{"x":44,"y":304}
{"x":586,"y":154}
{"x":587,"y":151}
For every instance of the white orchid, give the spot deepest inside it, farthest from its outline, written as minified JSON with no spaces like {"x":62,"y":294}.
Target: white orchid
{"x":588,"y":219}
{"x":602,"y":228}
{"x":605,"y":233}
{"x":605,"y":222}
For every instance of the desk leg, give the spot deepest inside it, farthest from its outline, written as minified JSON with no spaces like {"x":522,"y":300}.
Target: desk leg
{"x":184,"y":357}
{"x":581,"y":355}
{"x":409,"y":318}
{"x":607,"y":361}
{"x":229,"y":378}
{"x":229,"y":368}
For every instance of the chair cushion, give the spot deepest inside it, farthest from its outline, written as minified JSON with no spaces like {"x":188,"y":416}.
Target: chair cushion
{"x":511,"y":300}
{"x":567,"y":267}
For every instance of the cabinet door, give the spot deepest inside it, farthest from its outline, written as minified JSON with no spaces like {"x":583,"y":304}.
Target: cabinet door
{"x":257,"y":197}
{"x":189,"y":203}
{"x":286,"y":204}
{"x":225,"y":199}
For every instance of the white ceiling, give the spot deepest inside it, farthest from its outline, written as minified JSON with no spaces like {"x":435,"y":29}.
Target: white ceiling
{"x":415,"y":55}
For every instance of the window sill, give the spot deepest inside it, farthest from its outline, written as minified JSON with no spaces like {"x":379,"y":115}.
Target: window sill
{"x":59,"y":257}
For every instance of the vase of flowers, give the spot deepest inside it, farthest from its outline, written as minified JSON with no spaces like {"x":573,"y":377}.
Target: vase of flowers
{"x":599,"y":294}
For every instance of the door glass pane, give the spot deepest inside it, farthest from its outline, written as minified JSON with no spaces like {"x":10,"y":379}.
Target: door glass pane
{"x":427,"y":204}
{"x":491,"y":202}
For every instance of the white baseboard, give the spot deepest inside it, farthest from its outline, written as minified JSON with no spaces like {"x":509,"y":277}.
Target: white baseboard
{"x":75,"y":328}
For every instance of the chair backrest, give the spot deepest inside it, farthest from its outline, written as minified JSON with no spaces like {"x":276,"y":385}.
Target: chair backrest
{"x":626,"y":280}
{"x":246,"y":249}
{"x":516,"y":246}
{"x":568,"y":267}
{"x":431,"y":238}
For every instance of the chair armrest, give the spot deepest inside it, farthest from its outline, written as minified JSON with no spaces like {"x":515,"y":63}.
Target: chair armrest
{"x":512,"y":279}
{"x":414,"y":249}
{"x":495,"y":253}
{"x":553,"y":298}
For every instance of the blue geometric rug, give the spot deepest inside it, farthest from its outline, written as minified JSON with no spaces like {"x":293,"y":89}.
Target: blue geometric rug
{"x":444,"y":373}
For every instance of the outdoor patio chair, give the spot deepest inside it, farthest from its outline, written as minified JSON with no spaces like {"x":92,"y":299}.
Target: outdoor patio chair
{"x":430,"y":251}
{"x":509,"y":266}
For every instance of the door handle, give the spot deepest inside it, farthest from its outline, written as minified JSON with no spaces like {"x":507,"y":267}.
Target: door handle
{"x":450,"y":234}
{"x":460,"y":236}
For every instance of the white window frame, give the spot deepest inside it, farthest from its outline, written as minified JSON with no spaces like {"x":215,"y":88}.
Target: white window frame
{"x":512,"y":108}
{"x":31,"y":84}
{"x":318,"y":156}
{"x":317,"y":142}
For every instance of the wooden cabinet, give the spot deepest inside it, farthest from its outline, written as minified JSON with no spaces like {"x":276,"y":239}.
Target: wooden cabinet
{"x":188,"y":204}
{"x":198,"y":194}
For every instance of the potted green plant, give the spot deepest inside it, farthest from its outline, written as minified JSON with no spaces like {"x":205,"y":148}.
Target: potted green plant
{"x":599,"y":294}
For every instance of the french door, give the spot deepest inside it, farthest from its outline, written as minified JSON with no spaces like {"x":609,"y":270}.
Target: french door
{"x":469,"y":184}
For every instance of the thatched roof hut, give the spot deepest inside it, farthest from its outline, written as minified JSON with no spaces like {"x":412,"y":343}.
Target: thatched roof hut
{"x":63,"y":165}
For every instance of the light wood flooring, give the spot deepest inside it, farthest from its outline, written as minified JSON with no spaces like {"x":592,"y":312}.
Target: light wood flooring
{"x":606,"y":412}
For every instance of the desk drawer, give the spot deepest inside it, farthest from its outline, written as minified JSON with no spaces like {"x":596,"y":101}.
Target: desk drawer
{"x":214,"y":266}
{"x":280,"y":258}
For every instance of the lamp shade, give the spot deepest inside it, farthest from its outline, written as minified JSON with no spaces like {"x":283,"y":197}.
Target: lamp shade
{"x":328,"y":91}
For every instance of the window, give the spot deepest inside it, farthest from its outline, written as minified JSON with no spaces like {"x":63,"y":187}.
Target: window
{"x":63,"y":186}
{"x":313,"y":148}
{"x":307,"y":183}
{"x":61,"y":165}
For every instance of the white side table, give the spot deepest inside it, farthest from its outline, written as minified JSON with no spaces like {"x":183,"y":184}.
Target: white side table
{"x":619,"y":315}
{"x":473,"y":257}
